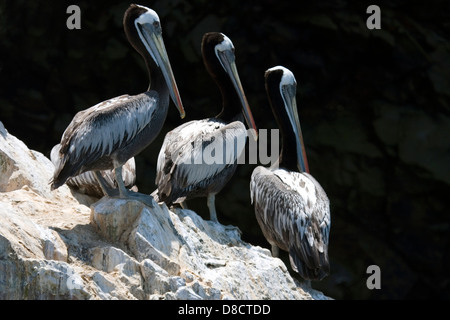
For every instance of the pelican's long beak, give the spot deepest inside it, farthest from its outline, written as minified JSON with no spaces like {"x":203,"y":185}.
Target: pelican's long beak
{"x":228,"y":62}
{"x":155,"y":46}
{"x":288,"y":94}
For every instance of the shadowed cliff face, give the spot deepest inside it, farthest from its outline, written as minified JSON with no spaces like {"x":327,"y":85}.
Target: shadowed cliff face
{"x":374,"y":107}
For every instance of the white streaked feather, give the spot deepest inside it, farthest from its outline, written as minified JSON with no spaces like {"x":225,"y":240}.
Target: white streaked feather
{"x":128,"y":117}
{"x":291,"y":203}
{"x":88,"y":181}
{"x":190,"y":147}
{"x":88,"y":178}
{"x":301,"y":183}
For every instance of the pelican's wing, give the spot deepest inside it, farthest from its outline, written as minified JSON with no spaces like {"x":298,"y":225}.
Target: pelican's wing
{"x":101,"y":129}
{"x":293,"y":211}
{"x":197,"y":151}
{"x":87,"y":182}
{"x":129,"y":173}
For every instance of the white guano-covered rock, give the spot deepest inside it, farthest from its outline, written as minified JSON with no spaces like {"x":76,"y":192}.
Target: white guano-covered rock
{"x":54,"y":246}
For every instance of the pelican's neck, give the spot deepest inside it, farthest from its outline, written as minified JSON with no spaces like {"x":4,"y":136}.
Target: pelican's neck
{"x":286,"y":159}
{"x":231,"y":104}
{"x":291,"y":144}
{"x":155,"y":77}
{"x":156,"y":81}
{"x":288,"y":154}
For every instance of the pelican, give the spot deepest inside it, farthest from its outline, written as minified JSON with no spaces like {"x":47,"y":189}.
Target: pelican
{"x":183,"y":169}
{"x":106,"y":135}
{"x":291,"y":207}
{"x":87,"y":183}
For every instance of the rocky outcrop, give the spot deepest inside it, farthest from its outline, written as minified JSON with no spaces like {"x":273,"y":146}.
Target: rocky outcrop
{"x":63,"y":245}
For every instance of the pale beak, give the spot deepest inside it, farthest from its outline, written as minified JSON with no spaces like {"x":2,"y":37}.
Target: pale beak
{"x":288,"y":94}
{"x":159,"y":54}
{"x":227,"y":60}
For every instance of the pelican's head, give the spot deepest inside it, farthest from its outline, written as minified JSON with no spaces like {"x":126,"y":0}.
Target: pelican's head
{"x":223,"y":50}
{"x":143,"y":29}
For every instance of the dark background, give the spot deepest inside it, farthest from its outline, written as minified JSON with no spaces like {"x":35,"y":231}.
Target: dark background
{"x":374,"y":107}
